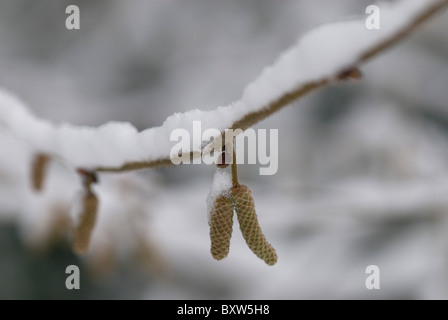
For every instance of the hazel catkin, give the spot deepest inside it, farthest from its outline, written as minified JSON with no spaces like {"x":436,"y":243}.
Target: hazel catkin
{"x":86,"y":222}
{"x":250,"y":228}
{"x":221,"y":225}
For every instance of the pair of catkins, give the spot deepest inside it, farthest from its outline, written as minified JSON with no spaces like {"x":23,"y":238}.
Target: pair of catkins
{"x":221,"y":225}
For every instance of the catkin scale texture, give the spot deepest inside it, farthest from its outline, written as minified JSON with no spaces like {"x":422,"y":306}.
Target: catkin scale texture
{"x":221,"y":225}
{"x":250,"y":228}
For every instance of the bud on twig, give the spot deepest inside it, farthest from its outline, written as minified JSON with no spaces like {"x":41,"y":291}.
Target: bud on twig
{"x":350,"y":74}
{"x":247,"y":218}
{"x":221,"y":224}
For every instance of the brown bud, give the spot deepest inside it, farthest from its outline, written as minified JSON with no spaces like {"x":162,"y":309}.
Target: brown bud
{"x":86,"y":223}
{"x":250,"y":228}
{"x":350,"y":73}
{"x":38,"y":170}
{"x":221,"y":224}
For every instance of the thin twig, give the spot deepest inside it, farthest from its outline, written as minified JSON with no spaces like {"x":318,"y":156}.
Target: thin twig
{"x":235,"y":182}
{"x":287,"y":98}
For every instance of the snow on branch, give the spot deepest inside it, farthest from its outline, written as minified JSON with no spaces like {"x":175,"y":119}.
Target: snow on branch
{"x":326,"y":55}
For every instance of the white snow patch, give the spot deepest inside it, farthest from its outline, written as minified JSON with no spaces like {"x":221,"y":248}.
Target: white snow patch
{"x":318,"y":55}
{"x":221,"y":186}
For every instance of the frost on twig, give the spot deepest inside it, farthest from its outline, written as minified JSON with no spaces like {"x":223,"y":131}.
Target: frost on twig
{"x":326,"y":55}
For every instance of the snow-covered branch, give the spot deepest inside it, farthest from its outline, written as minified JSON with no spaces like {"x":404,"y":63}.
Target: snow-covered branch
{"x":326,"y":55}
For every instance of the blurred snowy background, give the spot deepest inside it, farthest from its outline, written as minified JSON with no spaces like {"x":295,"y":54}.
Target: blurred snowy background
{"x":363,"y":168}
